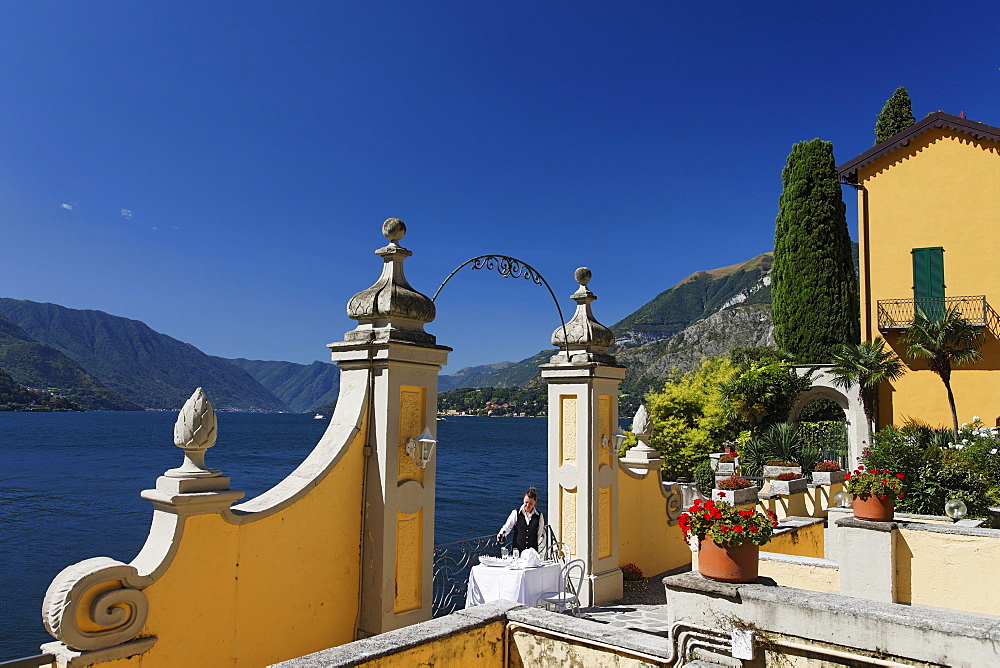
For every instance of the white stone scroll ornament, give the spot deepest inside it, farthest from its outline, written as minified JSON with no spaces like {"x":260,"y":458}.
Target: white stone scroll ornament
{"x":98,"y":603}
{"x":107,"y":593}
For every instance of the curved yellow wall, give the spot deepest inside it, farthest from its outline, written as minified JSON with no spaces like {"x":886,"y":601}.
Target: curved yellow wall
{"x":645,"y":536}
{"x":255,"y":593}
{"x":941,"y":190}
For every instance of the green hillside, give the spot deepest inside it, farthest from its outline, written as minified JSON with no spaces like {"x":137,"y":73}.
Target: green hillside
{"x":301,"y":387}
{"x":696,"y":297}
{"x":15,"y":397}
{"x":502,"y":374}
{"x":34,"y":364}
{"x":148,"y":368}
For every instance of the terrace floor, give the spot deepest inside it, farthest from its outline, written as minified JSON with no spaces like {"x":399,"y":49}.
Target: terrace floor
{"x":643,"y":610}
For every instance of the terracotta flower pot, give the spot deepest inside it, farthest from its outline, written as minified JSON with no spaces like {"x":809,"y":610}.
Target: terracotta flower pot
{"x":729,"y":564}
{"x":870,"y":507}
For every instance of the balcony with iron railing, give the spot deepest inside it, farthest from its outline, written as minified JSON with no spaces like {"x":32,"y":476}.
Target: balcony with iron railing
{"x":898,"y":314}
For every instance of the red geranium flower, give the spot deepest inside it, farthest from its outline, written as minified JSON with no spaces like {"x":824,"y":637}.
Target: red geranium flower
{"x":883,"y":497}
{"x":900,"y":476}
{"x":722,"y":494}
{"x":902,"y":495}
{"x":738,"y":528}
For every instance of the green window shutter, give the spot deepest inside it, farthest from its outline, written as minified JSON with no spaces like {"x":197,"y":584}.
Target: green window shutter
{"x":928,"y":280}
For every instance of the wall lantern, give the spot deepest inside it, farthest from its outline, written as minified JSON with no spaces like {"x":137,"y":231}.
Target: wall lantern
{"x":617,"y":439}
{"x":421,"y":449}
{"x":955,"y":509}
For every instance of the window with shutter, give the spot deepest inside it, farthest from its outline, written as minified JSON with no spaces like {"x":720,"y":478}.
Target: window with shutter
{"x":928,"y":281}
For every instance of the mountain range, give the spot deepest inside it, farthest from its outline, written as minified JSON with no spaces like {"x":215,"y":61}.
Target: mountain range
{"x":102,"y":361}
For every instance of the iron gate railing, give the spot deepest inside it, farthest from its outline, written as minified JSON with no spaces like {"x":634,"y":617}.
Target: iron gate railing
{"x":453,"y":561}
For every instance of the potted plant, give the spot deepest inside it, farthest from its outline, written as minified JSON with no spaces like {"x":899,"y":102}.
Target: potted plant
{"x":727,"y":464}
{"x":828,"y":473}
{"x":875,"y":492}
{"x":633,"y":578}
{"x":788,"y":483}
{"x":736,"y":490}
{"x":774,"y":468}
{"x":729,"y":538}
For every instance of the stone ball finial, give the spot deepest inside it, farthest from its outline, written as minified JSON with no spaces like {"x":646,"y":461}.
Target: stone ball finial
{"x":393,"y":229}
{"x":582,"y":275}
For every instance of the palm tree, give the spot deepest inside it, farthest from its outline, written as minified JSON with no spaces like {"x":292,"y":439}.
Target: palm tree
{"x":945,"y":341}
{"x":867,"y":364}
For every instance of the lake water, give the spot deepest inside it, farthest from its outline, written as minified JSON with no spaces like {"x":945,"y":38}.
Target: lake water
{"x":70,"y":483}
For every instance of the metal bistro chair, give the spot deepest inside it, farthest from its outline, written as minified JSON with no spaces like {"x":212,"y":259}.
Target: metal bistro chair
{"x":568,"y":596}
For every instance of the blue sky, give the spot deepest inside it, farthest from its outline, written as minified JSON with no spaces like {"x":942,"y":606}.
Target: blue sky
{"x":220,"y":170}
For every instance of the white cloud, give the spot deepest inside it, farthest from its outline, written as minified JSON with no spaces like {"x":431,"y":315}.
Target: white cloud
{"x":155,"y":229}
{"x":68,"y":207}
{"x":127,"y":214}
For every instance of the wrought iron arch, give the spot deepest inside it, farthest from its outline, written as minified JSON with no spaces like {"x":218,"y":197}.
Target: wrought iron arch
{"x":508,"y":267}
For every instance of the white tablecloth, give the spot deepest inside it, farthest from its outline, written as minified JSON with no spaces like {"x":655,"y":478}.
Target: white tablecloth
{"x":489,"y":583}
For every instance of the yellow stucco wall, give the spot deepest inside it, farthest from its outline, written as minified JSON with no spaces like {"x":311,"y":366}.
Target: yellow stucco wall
{"x":802,"y":542}
{"x":476,"y":648}
{"x":941,"y":190}
{"x":800,"y":576}
{"x":948,"y":570}
{"x":261,"y":592}
{"x":645,"y":536}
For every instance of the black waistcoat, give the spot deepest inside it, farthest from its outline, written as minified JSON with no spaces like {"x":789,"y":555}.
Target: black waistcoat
{"x":526,"y":533}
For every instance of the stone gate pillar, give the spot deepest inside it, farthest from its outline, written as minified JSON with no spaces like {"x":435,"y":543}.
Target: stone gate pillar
{"x":398,"y":361}
{"x":583,"y":384}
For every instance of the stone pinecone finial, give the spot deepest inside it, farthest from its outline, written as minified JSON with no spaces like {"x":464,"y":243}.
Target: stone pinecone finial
{"x":586,"y":339}
{"x":194,"y":433}
{"x":391,"y":309}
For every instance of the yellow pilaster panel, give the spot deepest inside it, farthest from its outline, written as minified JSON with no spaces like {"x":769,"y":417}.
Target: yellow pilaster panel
{"x":604,"y":429}
{"x":604,"y":523}
{"x":567,"y":429}
{"x":409,"y":548}
{"x":567,"y":519}
{"x":412,"y":420}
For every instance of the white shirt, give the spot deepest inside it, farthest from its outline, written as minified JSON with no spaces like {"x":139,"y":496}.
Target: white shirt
{"x":512,"y":520}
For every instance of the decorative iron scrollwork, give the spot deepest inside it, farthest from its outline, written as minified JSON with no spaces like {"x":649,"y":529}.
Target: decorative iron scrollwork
{"x":507,"y":266}
{"x":452,"y":563}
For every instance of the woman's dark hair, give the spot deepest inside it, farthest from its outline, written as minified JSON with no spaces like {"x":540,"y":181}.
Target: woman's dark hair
{"x":531,"y":493}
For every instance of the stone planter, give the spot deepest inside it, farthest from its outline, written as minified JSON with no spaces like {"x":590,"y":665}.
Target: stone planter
{"x":726,"y":469}
{"x":775,"y":471}
{"x":870,"y":507}
{"x":828,"y":477}
{"x":728,"y":564}
{"x":786,"y":487}
{"x":736,"y":497}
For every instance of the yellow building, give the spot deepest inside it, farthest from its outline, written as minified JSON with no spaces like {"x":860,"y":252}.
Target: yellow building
{"x":929,"y":236}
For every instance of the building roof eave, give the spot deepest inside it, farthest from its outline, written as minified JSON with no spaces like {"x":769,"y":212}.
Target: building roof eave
{"x":939,"y":119}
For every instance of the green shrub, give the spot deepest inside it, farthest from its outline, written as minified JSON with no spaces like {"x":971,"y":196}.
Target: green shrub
{"x":704,"y":477}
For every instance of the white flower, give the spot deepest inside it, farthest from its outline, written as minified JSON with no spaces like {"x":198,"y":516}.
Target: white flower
{"x":959,"y":446}
{"x":975,"y":418}
{"x":993,"y":451}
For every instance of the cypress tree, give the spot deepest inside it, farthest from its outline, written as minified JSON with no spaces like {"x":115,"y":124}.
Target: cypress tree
{"x":896,"y":116}
{"x":814,"y":290}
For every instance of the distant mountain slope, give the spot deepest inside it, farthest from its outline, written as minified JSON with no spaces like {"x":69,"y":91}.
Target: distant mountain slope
{"x":146,"y":367}
{"x":32,"y":363}
{"x":696,"y":297}
{"x":16,"y":397}
{"x":743,"y":326}
{"x":502,"y":374}
{"x":300,"y":386}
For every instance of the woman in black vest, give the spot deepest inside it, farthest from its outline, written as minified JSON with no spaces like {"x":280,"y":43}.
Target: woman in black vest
{"x":527,"y":523}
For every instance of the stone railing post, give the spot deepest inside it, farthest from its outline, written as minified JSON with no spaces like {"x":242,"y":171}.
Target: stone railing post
{"x":583,"y":381}
{"x":402,"y":362}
